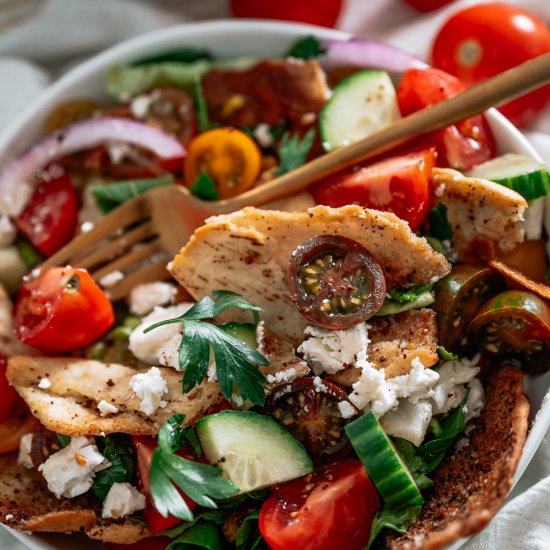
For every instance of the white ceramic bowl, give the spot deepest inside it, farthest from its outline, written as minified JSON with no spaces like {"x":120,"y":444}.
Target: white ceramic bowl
{"x":227,"y":39}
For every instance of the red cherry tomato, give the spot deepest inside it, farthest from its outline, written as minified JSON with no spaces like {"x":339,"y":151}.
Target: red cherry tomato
{"x":427,"y":5}
{"x":8,"y":395}
{"x":332,"y":508}
{"x":461,"y":145}
{"x":63,"y":309}
{"x":151,"y":543}
{"x":316,"y":12}
{"x":144,"y":447}
{"x":401,"y":185}
{"x":483,"y":40}
{"x":50,"y":218}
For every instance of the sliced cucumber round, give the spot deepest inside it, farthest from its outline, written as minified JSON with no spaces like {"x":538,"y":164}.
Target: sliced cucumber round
{"x":518,"y":172}
{"x":383,"y":463}
{"x":359,"y":106}
{"x":252,"y":449}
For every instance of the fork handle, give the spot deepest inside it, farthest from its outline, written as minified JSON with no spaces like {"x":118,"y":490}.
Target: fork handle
{"x":517,"y":81}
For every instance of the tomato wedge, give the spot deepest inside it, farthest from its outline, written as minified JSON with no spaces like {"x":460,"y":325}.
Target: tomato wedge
{"x":332,"y":508}
{"x":50,"y":218}
{"x":401,"y":185}
{"x":63,"y":309}
{"x":461,"y":145}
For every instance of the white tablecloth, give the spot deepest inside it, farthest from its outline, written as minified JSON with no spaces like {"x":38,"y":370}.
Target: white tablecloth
{"x":40,"y":39}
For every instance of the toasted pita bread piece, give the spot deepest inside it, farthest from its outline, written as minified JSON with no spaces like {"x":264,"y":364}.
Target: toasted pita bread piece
{"x":248,"y":252}
{"x":69,"y":405}
{"x":470,"y":486}
{"x":479,"y":210}
{"x":395,"y":341}
{"x":26,"y":504}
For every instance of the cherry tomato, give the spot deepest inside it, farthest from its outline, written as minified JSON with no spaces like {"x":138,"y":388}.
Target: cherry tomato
{"x":20,"y":422}
{"x":332,"y":508}
{"x":228,"y":156}
{"x":144,"y":447}
{"x":427,"y":5}
{"x":461,"y":145}
{"x":335,"y":282}
{"x":483,"y":40}
{"x":310,"y":412}
{"x":50,"y":219}
{"x":8,"y":395}
{"x":316,"y":12}
{"x":63,"y":309}
{"x":401,"y":185}
{"x":151,"y":543}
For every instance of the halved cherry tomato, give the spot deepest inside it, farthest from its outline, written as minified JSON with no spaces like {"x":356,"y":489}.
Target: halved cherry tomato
{"x":8,"y":395}
{"x":228,"y":156}
{"x":151,"y":543}
{"x":12,"y":429}
{"x":401,"y":185}
{"x":63,"y":309}
{"x":515,"y":324}
{"x":335,"y":282}
{"x":484,"y":40}
{"x":461,"y":145}
{"x":50,"y":218}
{"x":310,"y":412}
{"x":332,"y":508}
{"x":144,"y":448}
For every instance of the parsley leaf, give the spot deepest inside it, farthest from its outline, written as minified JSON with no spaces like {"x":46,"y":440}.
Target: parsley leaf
{"x":200,"y":482}
{"x":415,"y":464}
{"x":411,"y":294}
{"x":110,"y":195}
{"x":64,"y":440}
{"x":396,"y":520}
{"x":236,"y":363}
{"x":181,"y":55}
{"x":446,"y":355}
{"x":307,"y":48}
{"x":293,"y":151}
{"x":439,"y":226}
{"x":205,"y":188}
{"x":201,"y":535}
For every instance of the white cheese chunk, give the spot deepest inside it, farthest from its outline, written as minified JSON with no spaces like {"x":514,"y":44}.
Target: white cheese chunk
{"x":106,"y":408}
{"x":282,"y":376}
{"x":144,"y":298}
{"x":149,"y":387}
{"x":122,"y":500}
{"x":44,"y":384}
{"x":111,"y":279}
{"x":532,"y":223}
{"x":24,"y":457}
{"x":347,"y":410}
{"x":409,"y":421}
{"x":70,"y":472}
{"x":328,"y":351}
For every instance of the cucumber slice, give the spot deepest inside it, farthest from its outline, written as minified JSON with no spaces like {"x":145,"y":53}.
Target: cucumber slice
{"x":359,"y":106}
{"x":252,"y":449}
{"x":522,"y":174}
{"x":244,"y":332}
{"x":392,"y":307}
{"x":383,"y":463}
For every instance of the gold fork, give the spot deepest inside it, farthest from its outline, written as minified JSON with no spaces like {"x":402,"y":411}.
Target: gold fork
{"x":140,"y":236}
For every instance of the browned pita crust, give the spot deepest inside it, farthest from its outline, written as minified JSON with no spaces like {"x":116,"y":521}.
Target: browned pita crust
{"x":248,"y":252}
{"x":29,"y":506}
{"x":471,"y":486}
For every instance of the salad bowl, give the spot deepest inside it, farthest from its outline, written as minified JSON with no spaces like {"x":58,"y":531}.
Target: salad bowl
{"x":228,"y":39}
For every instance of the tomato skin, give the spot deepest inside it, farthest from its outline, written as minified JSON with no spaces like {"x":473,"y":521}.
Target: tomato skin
{"x":63,"y":309}
{"x":338,"y":511}
{"x":401,"y":185}
{"x":50,"y":219}
{"x":484,"y":40}
{"x":316,"y":12}
{"x":461,"y":145}
{"x":8,"y":395}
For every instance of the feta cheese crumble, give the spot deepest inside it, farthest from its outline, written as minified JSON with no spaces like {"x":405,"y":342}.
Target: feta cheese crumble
{"x":409,"y":421}
{"x":111,"y":279}
{"x":105,"y":408}
{"x":24,"y":457}
{"x":282,"y":376}
{"x":44,"y":384}
{"x":144,"y":298}
{"x":70,"y":472}
{"x":122,"y":500}
{"x":328,"y":351}
{"x":149,"y":386}
{"x":347,"y":410}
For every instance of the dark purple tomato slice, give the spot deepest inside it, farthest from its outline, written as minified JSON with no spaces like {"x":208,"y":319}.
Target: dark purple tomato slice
{"x":335,"y":282}
{"x":308,"y":409}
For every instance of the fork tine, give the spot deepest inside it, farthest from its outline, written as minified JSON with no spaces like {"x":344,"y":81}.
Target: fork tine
{"x":126,"y":214}
{"x":133,"y":257}
{"x":147,"y":274}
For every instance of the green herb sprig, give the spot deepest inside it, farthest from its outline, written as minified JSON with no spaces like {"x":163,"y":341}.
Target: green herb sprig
{"x":202,"y":483}
{"x":293,"y":151}
{"x":439,"y":226}
{"x":236,"y":363}
{"x":205,"y":188}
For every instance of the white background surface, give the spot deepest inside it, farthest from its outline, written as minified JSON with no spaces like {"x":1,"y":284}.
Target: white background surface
{"x":40,"y":39}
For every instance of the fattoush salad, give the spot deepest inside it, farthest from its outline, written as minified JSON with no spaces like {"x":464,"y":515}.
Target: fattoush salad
{"x":342,"y":368}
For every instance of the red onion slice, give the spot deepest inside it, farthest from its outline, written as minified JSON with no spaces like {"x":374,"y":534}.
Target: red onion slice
{"x":16,"y":177}
{"x":370,"y":54}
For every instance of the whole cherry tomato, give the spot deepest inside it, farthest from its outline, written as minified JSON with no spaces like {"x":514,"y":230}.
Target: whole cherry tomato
{"x":483,"y":40}
{"x":332,"y":508}
{"x":316,"y":12}
{"x":63,"y":309}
